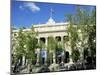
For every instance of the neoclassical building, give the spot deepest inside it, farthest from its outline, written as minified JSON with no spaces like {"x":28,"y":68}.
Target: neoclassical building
{"x":56,"y":30}
{"x":50,"y":28}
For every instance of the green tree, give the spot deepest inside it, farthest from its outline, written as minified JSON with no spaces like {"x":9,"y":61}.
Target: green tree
{"x":92,"y":35}
{"x":20,"y":45}
{"x":25,"y":45}
{"x":75,"y":55}
{"x":72,"y":31}
{"x":31,"y":45}
{"x":85,"y":21}
{"x":51,"y":47}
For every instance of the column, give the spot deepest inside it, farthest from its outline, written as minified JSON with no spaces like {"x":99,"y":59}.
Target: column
{"x":62,"y":60}
{"x":46,"y":41}
{"x":38,"y":55}
{"x":54,"y":59}
{"x":23,"y":60}
{"x":70,"y":58}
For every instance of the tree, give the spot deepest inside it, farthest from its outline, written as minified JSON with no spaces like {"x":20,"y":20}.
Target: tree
{"x":52,"y":47}
{"x":72,"y":31}
{"x":31,"y":45}
{"x":19,"y":45}
{"x":25,"y":45}
{"x":87,"y":23}
{"x":92,"y":36}
{"x":75,"y":55}
{"x":84,"y":21}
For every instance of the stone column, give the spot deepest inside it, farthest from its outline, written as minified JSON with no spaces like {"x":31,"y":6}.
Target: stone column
{"x":70,"y":58}
{"x":54,"y":59}
{"x":23,"y":60}
{"x":62,"y":42}
{"x":46,"y":41}
{"x":38,"y":55}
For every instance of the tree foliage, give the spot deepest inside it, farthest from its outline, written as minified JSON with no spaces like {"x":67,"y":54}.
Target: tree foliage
{"x":51,"y":43}
{"x":26,"y":43}
{"x":75,"y":55}
{"x":31,"y":45}
{"x":20,"y":43}
{"x":85,"y":21}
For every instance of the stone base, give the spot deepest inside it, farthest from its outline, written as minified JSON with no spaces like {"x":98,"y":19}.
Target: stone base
{"x":54,"y":67}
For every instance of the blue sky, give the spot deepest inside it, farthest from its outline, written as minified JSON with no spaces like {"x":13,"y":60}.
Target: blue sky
{"x":26,"y":14}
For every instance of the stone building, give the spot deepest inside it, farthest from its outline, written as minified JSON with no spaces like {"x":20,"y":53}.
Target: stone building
{"x":56,"y":30}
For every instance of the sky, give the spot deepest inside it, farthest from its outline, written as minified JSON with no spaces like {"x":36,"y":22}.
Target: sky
{"x":26,"y":14}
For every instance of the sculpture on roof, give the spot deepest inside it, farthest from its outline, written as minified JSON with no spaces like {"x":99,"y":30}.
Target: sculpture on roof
{"x":51,"y":20}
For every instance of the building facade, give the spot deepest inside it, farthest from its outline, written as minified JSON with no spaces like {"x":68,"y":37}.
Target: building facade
{"x":57,"y":31}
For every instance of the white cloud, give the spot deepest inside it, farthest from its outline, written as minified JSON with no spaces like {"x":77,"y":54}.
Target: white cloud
{"x":31,"y":6}
{"x":21,"y":7}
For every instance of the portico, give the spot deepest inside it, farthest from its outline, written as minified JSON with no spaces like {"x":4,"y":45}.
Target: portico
{"x":58,"y":31}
